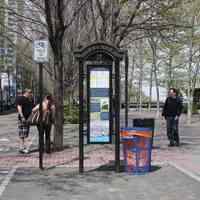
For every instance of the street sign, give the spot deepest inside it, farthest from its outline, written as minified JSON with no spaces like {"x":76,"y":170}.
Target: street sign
{"x":3,"y":51}
{"x":40,"y":51}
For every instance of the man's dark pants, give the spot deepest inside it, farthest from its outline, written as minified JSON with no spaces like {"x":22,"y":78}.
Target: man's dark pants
{"x":172,"y":130}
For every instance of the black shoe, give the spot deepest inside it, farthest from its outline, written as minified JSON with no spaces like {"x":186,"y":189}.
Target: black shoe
{"x":171,"y":144}
{"x":177,"y":144}
{"x":21,"y":151}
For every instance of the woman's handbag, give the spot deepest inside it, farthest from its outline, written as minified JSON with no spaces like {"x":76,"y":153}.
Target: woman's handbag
{"x":34,"y":118}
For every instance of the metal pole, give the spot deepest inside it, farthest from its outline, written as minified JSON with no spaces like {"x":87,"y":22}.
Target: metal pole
{"x":117,"y":116}
{"x":1,"y":94}
{"x":8,"y":89}
{"x":126,"y":89}
{"x":16,"y":81}
{"x":21,"y":76}
{"x":111,"y":103}
{"x":81,"y":115}
{"x":41,"y":132}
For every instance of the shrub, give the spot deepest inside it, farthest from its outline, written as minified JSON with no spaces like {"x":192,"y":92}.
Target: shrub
{"x":184,"y":110}
{"x":71,"y":114}
{"x":195,"y":108}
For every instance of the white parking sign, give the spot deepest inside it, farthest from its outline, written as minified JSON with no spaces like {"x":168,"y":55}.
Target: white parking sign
{"x":40,"y":54}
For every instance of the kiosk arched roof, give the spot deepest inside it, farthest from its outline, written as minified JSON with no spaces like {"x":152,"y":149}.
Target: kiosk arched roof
{"x":99,"y":47}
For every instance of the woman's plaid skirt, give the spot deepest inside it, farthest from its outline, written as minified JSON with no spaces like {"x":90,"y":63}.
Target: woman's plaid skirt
{"x":23,"y":128}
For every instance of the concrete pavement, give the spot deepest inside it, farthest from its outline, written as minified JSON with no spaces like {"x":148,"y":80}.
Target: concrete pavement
{"x":166,"y":183}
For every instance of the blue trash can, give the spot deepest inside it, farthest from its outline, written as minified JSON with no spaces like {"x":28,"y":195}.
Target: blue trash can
{"x":137,"y":148}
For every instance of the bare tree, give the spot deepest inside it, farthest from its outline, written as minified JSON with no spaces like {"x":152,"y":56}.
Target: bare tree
{"x":141,"y":72}
{"x":153,"y":41}
{"x":150,"y":88}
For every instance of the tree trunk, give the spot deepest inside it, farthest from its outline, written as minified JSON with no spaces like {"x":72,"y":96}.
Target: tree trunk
{"x":157,"y":93}
{"x":59,"y":111}
{"x":189,"y":88}
{"x":189,"y":105}
{"x":156,"y":84}
{"x":130,"y":85}
{"x":150,"y":89}
{"x":141,"y":74}
{"x":169,"y":81}
{"x":154,"y":53}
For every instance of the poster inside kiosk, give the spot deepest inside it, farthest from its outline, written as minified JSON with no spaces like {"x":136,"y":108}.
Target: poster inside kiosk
{"x":99,"y":102}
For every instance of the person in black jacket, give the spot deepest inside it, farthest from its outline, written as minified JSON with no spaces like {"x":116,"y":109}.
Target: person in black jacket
{"x":24,"y":106}
{"x":172,"y":111}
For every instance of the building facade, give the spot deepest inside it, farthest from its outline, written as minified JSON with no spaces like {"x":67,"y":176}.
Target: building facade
{"x":8,"y":41}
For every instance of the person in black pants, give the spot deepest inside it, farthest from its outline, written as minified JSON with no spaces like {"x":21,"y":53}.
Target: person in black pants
{"x":172,"y":111}
{"x":48,"y":109}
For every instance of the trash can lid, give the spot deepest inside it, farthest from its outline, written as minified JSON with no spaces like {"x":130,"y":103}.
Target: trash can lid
{"x":136,"y":129}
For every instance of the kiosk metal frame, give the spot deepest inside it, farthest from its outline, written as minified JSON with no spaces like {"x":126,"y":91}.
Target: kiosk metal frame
{"x":104,"y":55}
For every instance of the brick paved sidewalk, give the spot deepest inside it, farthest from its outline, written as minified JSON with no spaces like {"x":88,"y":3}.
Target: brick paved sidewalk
{"x":97,"y":155}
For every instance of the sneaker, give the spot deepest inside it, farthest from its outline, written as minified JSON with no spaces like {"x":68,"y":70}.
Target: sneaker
{"x":26,"y":151}
{"x":21,"y":150}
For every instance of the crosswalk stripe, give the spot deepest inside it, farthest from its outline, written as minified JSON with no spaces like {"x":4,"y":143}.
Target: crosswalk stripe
{"x":6,"y":181}
{"x":187,"y":172}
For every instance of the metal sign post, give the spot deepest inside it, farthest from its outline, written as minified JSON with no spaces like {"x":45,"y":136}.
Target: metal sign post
{"x":41,"y":56}
{"x":41,"y":131}
{"x":117,"y":115}
{"x":126,"y":88}
{"x":1,"y":96}
{"x":81,"y":121}
{"x":3,"y":52}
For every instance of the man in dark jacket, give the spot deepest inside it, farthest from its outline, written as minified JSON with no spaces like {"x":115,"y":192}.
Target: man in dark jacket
{"x":171,"y":112}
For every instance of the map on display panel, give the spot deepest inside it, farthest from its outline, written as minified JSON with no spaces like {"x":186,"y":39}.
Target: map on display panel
{"x":99,"y":105}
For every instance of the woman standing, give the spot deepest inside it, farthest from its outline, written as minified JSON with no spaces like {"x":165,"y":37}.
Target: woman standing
{"x":47,"y":120}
